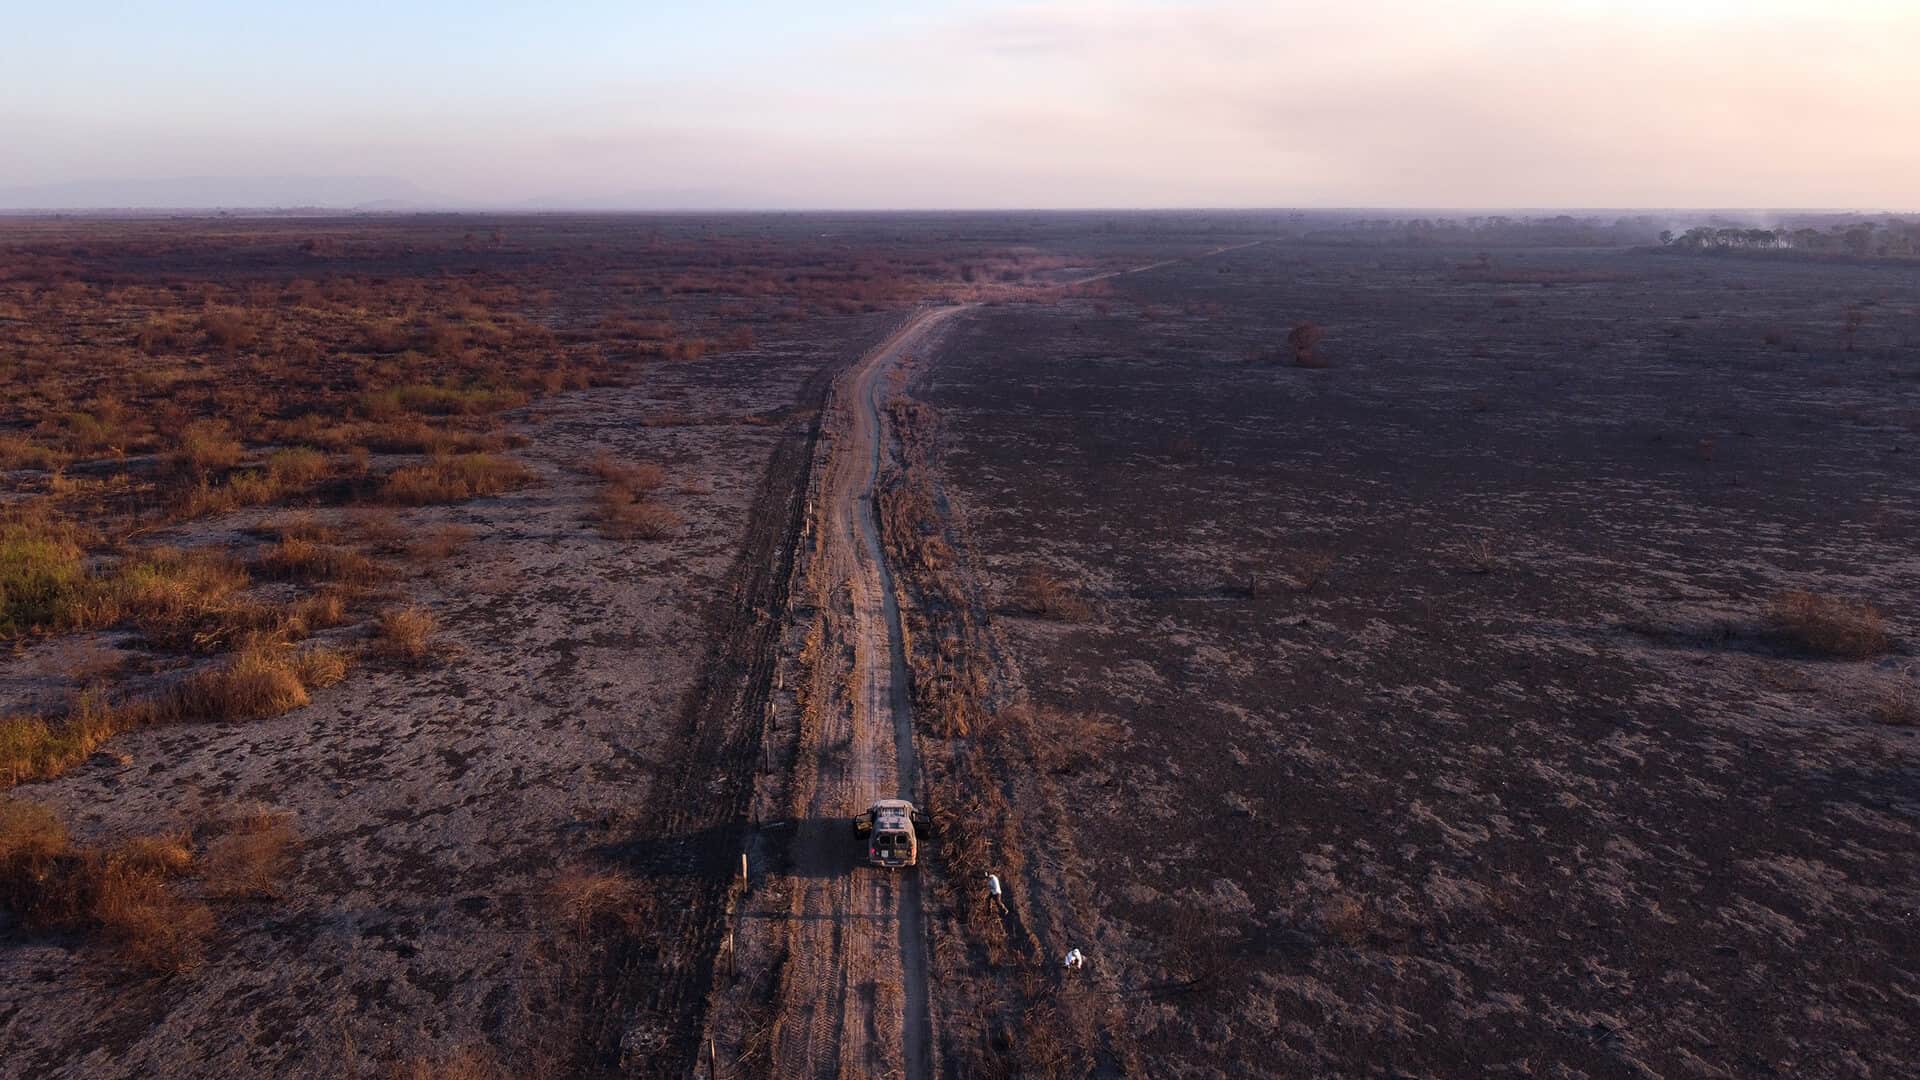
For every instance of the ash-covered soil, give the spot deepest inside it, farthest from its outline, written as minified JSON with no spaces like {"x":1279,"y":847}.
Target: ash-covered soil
{"x":1455,"y":741}
{"x":436,"y":807}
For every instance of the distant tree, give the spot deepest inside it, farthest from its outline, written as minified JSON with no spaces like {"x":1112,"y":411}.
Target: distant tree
{"x":1303,"y":340}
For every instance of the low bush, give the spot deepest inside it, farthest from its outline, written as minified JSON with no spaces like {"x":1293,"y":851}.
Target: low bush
{"x":304,"y":560}
{"x":298,"y":526}
{"x":228,"y":329}
{"x":253,"y":684}
{"x":247,"y":855}
{"x":434,"y":545}
{"x":1048,"y":595}
{"x":206,"y":446}
{"x":638,"y":478}
{"x":451,"y":479}
{"x":1347,"y":918}
{"x":624,"y":515}
{"x":1896,"y":704}
{"x":428,"y":400}
{"x":1827,"y":625}
{"x":405,"y":634}
{"x":1303,"y":343}
{"x":297,"y":467}
{"x":50,"y":883}
{"x":40,"y":576}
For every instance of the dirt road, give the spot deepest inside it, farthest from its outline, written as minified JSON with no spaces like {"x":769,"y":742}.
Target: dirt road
{"x":852,"y":998}
{"x":831,"y":955}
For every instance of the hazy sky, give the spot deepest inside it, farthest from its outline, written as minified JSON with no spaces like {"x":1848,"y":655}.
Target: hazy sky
{"x":915,"y":103}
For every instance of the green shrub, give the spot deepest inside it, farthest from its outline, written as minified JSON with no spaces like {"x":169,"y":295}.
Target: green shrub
{"x":40,"y":577}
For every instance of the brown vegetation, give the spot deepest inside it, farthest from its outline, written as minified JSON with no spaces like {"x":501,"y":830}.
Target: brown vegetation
{"x":1302,"y":571}
{"x":463,"y":1064}
{"x":1827,"y":625}
{"x":628,"y":506}
{"x":263,"y":679}
{"x":455,"y":478}
{"x":405,"y":634}
{"x":306,"y":560}
{"x":1048,"y":595}
{"x":124,"y":893}
{"x":1057,"y":740}
{"x":1347,"y":918}
{"x":247,"y":855}
{"x":1896,"y":704}
{"x":1303,"y":343}
{"x":588,"y":902}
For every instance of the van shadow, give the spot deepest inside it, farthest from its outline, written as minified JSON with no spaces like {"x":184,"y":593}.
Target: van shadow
{"x":704,"y":853}
{"x":813,"y":847}
{"x":809,"y":847}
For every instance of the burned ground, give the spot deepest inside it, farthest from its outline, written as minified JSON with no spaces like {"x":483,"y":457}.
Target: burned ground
{"x":1457,"y":738}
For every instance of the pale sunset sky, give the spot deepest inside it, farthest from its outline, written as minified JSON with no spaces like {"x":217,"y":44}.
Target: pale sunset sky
{"x":943,"y":103}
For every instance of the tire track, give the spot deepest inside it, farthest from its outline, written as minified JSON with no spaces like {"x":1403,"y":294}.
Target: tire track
{"x":853,"y":996}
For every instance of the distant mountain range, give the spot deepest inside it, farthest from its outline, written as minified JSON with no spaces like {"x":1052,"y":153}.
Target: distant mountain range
{"x":226,"y":192}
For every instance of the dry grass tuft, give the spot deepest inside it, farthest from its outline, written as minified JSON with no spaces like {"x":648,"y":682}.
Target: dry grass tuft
{"x":405,"y":634}
{"x":299,"y":526}
{"x":1049,"y":596}
{"x":206,"y":446}
{"x":257,"y":682}
{"x":32,"y":843}
{"x":627,"y":507}
{"x":151,"y":926}
{"x":41,"y":575}
{"x":625,"y":516}
{"x":1347,"y":918}
{"x":1827,"y":625}
{"x":163,"y":591}
{"x":591,"y":902}
{"x":297,"y":467}
{"x":37,"y":747}
{"x":248,"y":855}
{"x":454,"y":478}
{"x":382,"y":530}
{"x":464,"y":1064}
{"x":320,"y":667}
{"x":305,"y":560}
{"x":322,"y":611}
{"x":640,"y":478}
{"x":263,"y":679}
{"x":1896,"y":704}
{"x":1478,"y":556}
{"x":1059,"y":740}
{"x":1303,"y":571}
{"x":437,"y":544}
{"x":50,"y":883}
